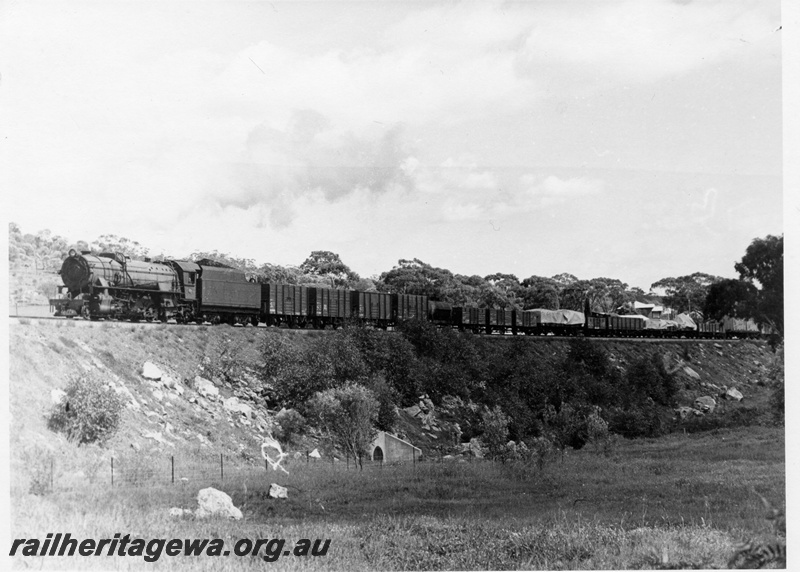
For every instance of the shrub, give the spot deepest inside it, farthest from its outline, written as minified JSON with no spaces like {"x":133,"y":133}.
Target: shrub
{"x":348,"y":414}
{"x":648,"y":377}
{"x":597,"y":430}
{"x":495,"y":432}
{"x":635,"y":421}
{"x":289,"y":425}
{"x":539,"y":450}
{"x":223,"y":360}
{"x":386,"y":396}
{"x":90,"y":412}
{"x":775,"y":375}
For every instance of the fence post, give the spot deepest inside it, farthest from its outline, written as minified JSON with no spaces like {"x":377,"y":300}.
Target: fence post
{"x":112,"y":471}
{"x":172,"y":462}
{"x":266,"y":465}
{"x":347,"y":458}
{"x":306,"y":456}
{"x":221,"y":470}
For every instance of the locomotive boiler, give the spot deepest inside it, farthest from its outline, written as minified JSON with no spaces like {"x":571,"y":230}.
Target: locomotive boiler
{"x":111,"y":285}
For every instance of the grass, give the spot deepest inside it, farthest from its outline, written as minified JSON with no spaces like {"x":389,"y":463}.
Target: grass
{"x":686,"y":498}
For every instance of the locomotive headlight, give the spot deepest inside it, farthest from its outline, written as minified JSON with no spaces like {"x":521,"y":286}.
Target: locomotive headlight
{"x":72,"y":252}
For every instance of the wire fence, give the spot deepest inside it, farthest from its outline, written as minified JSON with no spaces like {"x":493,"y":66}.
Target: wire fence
{"x":147,"y":471}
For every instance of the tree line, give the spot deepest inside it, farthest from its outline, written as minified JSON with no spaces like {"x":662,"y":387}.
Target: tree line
{"x":756,"y":294}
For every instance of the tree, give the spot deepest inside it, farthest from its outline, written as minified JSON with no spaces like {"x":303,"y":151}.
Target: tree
{"x":540,"y":292}
{"x":329,"y":266}
{"x":417,"y":277}
{"x":730,"y":297}
{"x":114,"y":243}
{"x":686,"y":293}
{"x":763,"y":263}
{"x":348,"y":414}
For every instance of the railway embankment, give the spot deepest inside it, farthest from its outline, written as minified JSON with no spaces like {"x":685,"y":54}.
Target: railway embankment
{"x":203,"y":393}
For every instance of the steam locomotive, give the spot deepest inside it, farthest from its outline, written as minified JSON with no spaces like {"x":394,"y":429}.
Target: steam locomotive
{"x":112,"y":286}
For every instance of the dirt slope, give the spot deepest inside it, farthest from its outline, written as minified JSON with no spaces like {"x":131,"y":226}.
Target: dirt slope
{"x":167,"y":418}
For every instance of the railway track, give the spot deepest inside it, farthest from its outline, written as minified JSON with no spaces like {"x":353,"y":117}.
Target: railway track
{"x":80,"y":322}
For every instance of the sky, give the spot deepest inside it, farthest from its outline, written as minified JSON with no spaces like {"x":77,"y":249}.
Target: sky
{"x":623,"y":139}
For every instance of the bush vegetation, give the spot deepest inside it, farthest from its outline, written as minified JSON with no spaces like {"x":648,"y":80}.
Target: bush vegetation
{"x":89,"y":412}
{"x":578,"y":398}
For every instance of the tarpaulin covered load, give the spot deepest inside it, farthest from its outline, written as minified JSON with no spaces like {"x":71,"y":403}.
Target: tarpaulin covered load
{"x":685,"y":322}
{"x":657,"y":324}
{"x":556,"y":317}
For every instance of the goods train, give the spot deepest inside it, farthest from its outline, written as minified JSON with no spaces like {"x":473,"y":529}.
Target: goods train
{"x":112,"y":286}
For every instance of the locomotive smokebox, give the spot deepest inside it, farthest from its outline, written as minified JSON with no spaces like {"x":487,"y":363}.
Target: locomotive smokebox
{"x":75,"y":273}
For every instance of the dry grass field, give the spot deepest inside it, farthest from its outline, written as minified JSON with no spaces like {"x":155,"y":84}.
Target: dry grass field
{"x":684,"y":499}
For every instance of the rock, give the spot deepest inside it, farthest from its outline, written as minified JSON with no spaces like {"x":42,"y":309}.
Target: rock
{"x":178,"y":389}
{"x":706,"y":404}
{"x":168,"y":381}
{"x":278,"y":492}
{"x":315,"y":454}
{"x":205,"y":387}
{"x":212,"y":502}
{"x":151,"y":371}
{"x":180,"y":512}
{"x":448,"y":458}
{"x":156,"y":436}
{"x":233,"y":405}
{"x":733,"y":394}
{"x":158,"y":394}
{"x":298,"y":455}
{"x":691,"y":373}
{"x":414,"y":410}
{"x":684,"y":412}
{"x":56,"y":395}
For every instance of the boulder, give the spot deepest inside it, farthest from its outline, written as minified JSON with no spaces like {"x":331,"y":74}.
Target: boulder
{"x":706,"y":404}
{"x":691,"y":373}
{"x":205,"y":387}
{"x":212,"y":502}
{"x":278,"y":492}
{"x":151,"y":371}
{"x":684,"y":412}
{"x":414,"y":410}
{"x":315,"y":454}
{"x":733,"y":394}
{"x":233,"y":405}
{"x":57,"y":395}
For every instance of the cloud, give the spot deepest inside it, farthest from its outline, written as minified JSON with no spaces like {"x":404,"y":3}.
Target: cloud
{"x":277,"y":167}
{"x":639,"y":41}
{"x":475,"y":194}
